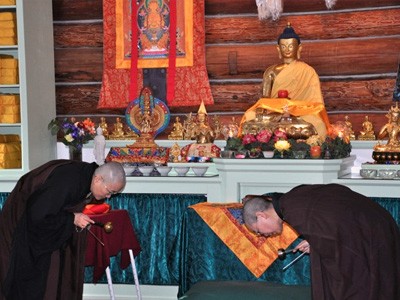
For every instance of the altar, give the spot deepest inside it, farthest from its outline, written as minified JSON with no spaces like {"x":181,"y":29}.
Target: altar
{"x":158,"y":207}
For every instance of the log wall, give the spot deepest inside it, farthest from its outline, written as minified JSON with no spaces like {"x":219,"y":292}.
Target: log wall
{"x":355,"y":49}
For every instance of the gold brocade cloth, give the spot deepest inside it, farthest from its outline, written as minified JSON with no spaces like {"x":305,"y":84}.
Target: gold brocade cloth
{"x":296,"y":108}
{"x":257,"y":253}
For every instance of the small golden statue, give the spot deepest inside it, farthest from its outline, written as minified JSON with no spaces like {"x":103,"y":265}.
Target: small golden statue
{"x":367,"y":133}
{"x":202,"y":132}
{"x":104,"y":127}
{"x":177,"y":130}
{"x":118,"y":131}
{"x":188,"y":127}
{"x":351,"y":134}
{"x":175,"y":153}
{"x":217,"y":126}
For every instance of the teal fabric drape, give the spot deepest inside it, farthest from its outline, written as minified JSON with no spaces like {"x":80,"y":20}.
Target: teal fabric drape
{"x":156,"y":219}
{"x":179,"y":248}
{"x":203,"y":256}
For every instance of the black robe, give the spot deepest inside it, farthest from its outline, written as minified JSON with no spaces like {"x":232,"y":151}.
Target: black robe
{"x":37,"y":233}
{"x":354,"y":242}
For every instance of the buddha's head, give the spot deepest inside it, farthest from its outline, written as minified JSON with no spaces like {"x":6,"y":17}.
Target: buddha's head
{"x":289,"y":45}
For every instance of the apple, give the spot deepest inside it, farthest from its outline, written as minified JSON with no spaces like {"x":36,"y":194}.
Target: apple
{"x":283,"y":94}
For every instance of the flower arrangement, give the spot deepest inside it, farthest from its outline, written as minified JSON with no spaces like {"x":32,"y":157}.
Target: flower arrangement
{"x":333,"y":146}
{"x":265,"y":140}
{"x":74,"y":133}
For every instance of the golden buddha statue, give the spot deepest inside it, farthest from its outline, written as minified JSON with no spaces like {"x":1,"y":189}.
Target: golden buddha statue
{"x":367,"y":132}
{"x":177,"y":130}
{"x":299,"y":82}
{"x":392,"y":131}
{"x":104,"y":127}
{"x":351,"y":134}
{"x":118,"y":131}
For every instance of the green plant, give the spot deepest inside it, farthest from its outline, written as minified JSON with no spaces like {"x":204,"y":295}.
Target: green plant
{"x":234,"y":144}
{"x":299,"y":145}
{"x":337,"y":147}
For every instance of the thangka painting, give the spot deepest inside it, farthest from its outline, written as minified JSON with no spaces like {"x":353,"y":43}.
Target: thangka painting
{"x":153,"y":22}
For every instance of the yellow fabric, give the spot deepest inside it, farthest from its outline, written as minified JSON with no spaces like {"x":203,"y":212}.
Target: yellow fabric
{"x":9,"y":99}
{"x":257,"y":253}
{"x":7,"y":2}
{"x":14,"y":118}
{"x":5,"y":41}
{"x":7,"y":32}
{"x":7,"y":62}
{"x":7,"y":16}
{"x":302,"y":83}
{"x":8,"y":138}
{"x":10,"y":153}
{"x":10,"y":109}
{"x":7,"y":24}
{"x":8,"y":80}
{"x":9,"y":72}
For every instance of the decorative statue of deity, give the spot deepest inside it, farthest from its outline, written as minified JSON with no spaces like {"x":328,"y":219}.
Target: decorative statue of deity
{"x":188,"y":127}
{"x":99,"y":146}
{"x":204,"y":136}
{"x":177,"y":130}
{"x":392,"y":131}
{"x":367,"y":132}
{"x":217,"y":126}
{"x":293,"y":83}
{"x":350,"y":128}
{"x":104,"y":127}
{"x":203,"y":133}
{"x":118,"y":132}
{"x":147,"y":119}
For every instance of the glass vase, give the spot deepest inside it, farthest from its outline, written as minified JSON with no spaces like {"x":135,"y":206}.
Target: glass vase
{"x":75,"y":154}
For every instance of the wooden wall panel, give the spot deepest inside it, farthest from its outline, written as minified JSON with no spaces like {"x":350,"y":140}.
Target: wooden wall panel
{"x":340,"y":25}
{"x":329,"y":58}
{"x":78,"y":64}
{"x":216,"y":7}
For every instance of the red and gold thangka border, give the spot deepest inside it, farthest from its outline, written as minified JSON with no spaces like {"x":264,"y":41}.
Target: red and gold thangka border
{"x":257,"y":253}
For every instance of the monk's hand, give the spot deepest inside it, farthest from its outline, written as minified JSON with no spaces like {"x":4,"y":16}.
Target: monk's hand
{"x":82,"y":221}
{"x":303,"y":246}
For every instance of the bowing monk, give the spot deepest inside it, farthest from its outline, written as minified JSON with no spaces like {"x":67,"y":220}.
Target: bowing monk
{"x":353,"y":242}
{"x":42,"y":245}
{"x":300,"y":80}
